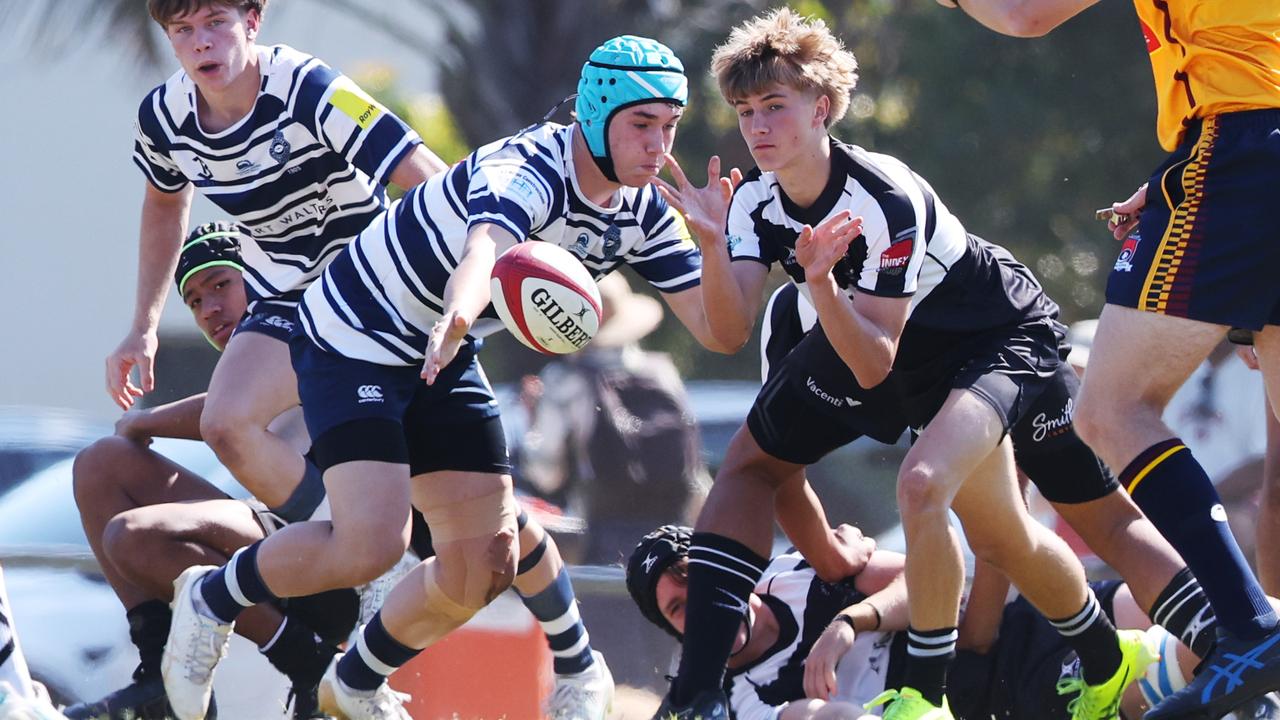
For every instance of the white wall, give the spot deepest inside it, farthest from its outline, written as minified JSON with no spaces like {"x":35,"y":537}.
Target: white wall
{"x":70,"y":194}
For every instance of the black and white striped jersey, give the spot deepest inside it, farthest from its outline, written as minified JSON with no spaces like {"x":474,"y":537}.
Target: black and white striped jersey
{"x":379,"y":298}
{"x":304,"y":171}
{"x":911,"y":246}
{"x":804,"y":605}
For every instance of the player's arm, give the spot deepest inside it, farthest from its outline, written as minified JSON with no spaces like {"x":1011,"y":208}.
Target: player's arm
{"x":834,"y":553}
{"x":865,"y":330}
{"x":884,"y":609}
{"x":730,"y":292}
{"x":980,"y":627}
{"x":414,"y":168}
{"x":1020,"y":18}
{"x":691,"y":307}
{"x":178,"y":419}
{"x":164,"y":223}
{"x":465,"y":295}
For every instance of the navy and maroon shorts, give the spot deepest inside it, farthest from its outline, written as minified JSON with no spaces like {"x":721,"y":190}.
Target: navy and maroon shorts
{"x":1208,"y":246}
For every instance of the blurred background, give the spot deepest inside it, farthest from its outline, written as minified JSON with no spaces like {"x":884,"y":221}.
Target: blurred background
{"x":1023,"y":139}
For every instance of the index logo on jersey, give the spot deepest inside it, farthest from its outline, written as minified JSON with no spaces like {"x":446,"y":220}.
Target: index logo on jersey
{"x":893,"y":261}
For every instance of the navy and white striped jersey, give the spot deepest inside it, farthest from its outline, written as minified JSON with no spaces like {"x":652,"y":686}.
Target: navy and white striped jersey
{"x":804,"y":605}
{"x":379,"y":298}
{"x":911,"y":246}
{"x":304,"y":170}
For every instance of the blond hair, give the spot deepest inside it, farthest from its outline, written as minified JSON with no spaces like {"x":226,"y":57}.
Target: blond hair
{"x":164,"y":11}
{"x":784,"y":48}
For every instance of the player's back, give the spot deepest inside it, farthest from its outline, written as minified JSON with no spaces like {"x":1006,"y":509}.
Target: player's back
{"x":1211,"y":57}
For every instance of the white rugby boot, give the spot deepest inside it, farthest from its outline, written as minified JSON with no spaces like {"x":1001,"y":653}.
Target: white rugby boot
{"x":196,"y":644}
{"x":346,"y":704}
{"x":587,"y":695}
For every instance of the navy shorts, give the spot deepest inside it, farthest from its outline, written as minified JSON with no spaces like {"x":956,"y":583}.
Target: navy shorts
{"x":1207,"y":246}
{"x":270,"y":318}
{"x":1007,"y":367}
{"x":1049,"y":451}
{"x":812,"y":404}
{"x":357,"y":410}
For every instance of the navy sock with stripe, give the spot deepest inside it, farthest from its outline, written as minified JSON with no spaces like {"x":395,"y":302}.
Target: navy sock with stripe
{"x":375,"y":656}
{"x":557,"y":613}
{"x":235,"y":586}
{"x":1176,"y":494}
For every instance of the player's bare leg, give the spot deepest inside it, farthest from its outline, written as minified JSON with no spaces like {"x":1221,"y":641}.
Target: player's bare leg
{"x":472,"y":517}
{"x":1120,"y":417}
{"x":252,"y":384}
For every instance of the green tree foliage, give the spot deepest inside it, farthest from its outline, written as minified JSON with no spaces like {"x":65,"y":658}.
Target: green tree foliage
{"x":1023,"y":139}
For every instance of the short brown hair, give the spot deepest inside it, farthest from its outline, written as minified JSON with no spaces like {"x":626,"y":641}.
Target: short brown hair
{"x":784,"y":48}
{"x":164,"y":11}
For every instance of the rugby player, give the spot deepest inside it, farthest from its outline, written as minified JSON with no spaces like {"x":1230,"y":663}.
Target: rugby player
{"x":397,"y":307}
{"x":898,"y":284}
{"x":1197,"y":266}
{"x":149,"y":520}
{"x":292,"y":150}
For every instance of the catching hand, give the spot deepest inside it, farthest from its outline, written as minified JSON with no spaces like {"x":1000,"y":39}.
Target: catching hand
{"x":819,"y":249}
{"x":705,"y":209}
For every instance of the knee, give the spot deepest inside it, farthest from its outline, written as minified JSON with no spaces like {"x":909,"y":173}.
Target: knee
{"x":223,"y":429}
{"x":921,"y":492}
{"x":1091,"y":421}
{"x":124,"y":539}
{"x":93,"y":472}
{"x":497,"y":569}
{"x":367,"y":560}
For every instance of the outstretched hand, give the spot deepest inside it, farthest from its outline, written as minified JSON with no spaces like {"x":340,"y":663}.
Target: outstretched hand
{"x":819,"y":249}
{"x":136,"y":350}
{"x":446,"y":337}
{"x":705,"y":209}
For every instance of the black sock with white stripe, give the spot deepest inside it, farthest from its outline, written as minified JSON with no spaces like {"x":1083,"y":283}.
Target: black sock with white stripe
{"x":1184,"y":610}
{"x":929,"y":656}
{"x":1090,"y":633}
{"x":722,"y":575}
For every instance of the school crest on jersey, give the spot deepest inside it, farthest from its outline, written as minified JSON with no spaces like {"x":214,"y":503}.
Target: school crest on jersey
{"x":280,"y":147}
{"x":612,"y":241}
{"x":1124,"y":263}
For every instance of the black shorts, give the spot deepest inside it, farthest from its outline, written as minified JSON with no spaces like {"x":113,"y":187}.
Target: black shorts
{"x":271,"y":318}
{"x":1207,"y":247}
{"x":1018,"y":678}
{"x":1007,"y":367}
{"x":1049,"y":451}
{"x":812,"y":404}
{"x":357,"y":410}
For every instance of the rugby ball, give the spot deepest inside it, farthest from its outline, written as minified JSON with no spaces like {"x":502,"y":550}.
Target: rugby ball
{"x":545,"y":297}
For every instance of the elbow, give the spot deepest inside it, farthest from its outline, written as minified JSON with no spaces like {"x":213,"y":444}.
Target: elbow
{"x":1025,"y":20}
{"x":873,"y":375}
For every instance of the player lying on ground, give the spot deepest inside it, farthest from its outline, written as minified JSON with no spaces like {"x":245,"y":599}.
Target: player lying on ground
{"x":898,"y":285}
{"x":810,"y":649}
{"x":384,"y":437}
